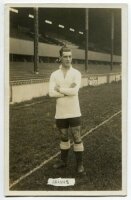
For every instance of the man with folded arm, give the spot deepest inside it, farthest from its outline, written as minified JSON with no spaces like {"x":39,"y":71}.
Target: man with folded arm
{"x":64,"y":84}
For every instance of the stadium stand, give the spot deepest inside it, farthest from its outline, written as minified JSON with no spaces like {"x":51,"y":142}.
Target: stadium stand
{"x":50,"y":41}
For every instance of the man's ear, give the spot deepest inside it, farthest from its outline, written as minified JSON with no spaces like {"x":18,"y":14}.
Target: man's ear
{"x":60,"y":58}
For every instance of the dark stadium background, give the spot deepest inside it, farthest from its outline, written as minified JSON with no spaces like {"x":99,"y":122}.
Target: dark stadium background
{"x":99,"y":40}
{"x":99,"y":25}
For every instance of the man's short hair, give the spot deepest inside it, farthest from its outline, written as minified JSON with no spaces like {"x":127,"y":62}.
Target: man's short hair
{"x":64,"y":49}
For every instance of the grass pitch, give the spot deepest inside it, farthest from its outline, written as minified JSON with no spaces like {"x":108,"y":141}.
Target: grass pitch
{"x":34,"y":138}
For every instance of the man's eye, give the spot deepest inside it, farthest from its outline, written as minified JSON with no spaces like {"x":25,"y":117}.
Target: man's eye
{"x":67,"y":56}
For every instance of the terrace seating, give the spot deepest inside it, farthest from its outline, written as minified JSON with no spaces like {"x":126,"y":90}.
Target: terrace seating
{"x":29,"y":35}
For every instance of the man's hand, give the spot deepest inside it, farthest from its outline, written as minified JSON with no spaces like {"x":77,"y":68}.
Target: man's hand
{"x":72,"y":85}
{"x":57,"y":88}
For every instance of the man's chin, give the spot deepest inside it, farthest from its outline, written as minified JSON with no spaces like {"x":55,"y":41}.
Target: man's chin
{"x":67,"y":65}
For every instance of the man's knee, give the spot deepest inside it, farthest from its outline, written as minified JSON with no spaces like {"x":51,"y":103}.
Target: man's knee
{"x":76,"y":134}
{"x":64,"y":135}
{"x":65,"y":142}
{"x":78,"y":144}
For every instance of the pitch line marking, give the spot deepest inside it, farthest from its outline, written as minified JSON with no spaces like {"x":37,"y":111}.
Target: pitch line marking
{"x":58,"y":153}
{"x":27,"y":105}
{"x":104,"y":122}
{"x":33,"y":170}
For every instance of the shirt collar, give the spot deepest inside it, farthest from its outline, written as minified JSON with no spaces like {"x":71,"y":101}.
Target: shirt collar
{"x":60,"y":67}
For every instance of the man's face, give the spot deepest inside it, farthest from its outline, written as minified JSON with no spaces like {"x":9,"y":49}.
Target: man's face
{"x":66,"y":59}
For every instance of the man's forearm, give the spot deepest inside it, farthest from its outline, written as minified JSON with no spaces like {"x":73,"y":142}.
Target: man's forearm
{"x":69,"y":91}
{"x":55,"y":94}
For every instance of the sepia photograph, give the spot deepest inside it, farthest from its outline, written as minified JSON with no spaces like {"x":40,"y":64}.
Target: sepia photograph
{"x":65,"y":91}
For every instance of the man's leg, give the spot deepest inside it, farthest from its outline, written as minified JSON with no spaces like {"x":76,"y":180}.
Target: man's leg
{"x":64,"y":143}
{"x":78,"y":148}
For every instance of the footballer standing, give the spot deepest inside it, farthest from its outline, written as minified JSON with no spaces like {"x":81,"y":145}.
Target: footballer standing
{"x":64,"y":85}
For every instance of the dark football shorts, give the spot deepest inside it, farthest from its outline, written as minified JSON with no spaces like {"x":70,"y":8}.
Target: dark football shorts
{"x":69,"y":122}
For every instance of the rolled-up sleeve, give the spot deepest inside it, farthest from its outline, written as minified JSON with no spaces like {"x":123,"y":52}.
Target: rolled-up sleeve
{"x":52,"y":91}
{"x":74,"y":90}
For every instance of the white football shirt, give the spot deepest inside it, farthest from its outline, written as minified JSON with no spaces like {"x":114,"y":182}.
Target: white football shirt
{"x":67,"y":102}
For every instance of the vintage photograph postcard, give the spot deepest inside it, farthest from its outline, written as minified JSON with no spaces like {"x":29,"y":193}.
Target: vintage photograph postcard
{"x":65,"y":99}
